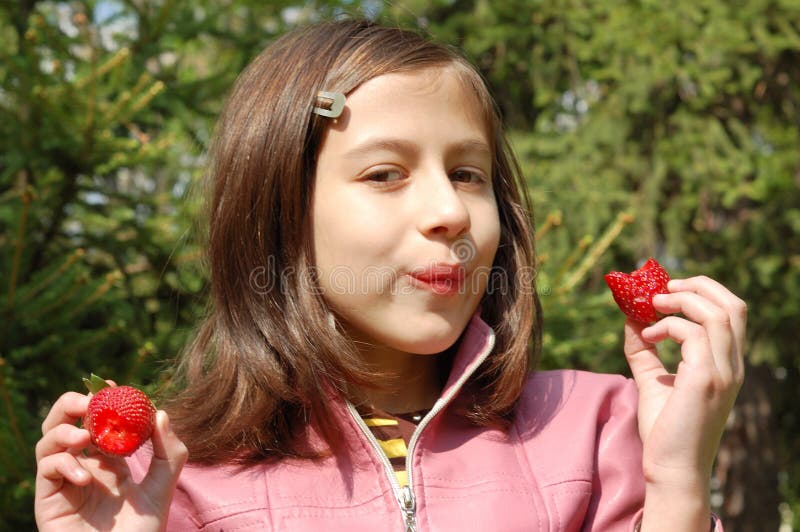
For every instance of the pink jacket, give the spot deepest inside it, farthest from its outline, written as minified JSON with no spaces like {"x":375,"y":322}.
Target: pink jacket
{"x":572,"y":461}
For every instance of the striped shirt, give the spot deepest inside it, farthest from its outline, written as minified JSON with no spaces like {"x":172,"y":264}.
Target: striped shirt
{"x":393,"y":432}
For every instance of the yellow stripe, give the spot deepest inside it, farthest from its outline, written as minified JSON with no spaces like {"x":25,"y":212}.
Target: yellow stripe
{"x":402,"y":478}
{"x":380,"y":422}
{"x":394,"y":448}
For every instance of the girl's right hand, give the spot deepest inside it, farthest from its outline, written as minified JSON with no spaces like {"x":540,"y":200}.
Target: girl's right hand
{"x":91,"y":491}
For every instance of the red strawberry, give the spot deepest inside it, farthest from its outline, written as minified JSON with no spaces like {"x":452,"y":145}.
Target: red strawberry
{"x":634,"y":292}
{"x":120,"y":418}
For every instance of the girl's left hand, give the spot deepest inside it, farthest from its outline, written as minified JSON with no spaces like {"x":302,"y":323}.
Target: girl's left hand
{"x":682,"y":415}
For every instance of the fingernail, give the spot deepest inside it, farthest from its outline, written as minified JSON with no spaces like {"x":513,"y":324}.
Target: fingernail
{"x":79,"y":474}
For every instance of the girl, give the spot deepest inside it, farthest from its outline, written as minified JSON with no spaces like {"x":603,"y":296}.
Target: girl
{"x":367,"y":361}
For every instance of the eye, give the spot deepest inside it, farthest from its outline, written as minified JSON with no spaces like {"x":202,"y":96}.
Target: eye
{"x":385,"y":176}
{"x":467,"y":176}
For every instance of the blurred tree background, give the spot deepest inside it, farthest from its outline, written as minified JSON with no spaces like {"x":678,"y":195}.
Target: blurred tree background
{"x":665,"y":129}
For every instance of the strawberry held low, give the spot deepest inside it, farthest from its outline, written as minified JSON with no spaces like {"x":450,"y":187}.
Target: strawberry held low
{"x":119,"y":418}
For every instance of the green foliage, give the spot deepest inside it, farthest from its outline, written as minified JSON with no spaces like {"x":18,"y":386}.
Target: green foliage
{"x":644,"y":128}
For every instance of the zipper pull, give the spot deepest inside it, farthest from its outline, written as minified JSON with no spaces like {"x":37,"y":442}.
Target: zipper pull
{"x":408,"y":506}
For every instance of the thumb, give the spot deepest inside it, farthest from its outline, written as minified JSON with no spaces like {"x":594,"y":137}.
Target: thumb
{"x":169,"y":456}
{"x":642,"y":355}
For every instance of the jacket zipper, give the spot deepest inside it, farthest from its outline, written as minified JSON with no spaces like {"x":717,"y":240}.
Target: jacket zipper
{"x":405,"y":495}
{"x":408,"y":506}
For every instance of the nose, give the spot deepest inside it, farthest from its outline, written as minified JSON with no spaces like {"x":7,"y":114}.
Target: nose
{"x":442,"y":211}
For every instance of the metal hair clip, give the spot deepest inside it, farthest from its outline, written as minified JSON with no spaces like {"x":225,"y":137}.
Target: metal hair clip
{"x":337,"y":99}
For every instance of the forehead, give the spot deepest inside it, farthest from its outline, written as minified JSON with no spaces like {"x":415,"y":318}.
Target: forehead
{"x":415,"y":100}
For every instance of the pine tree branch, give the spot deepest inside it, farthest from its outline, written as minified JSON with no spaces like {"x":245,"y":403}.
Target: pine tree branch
{"x":12,"y":417}
{"x":19,"y":16}
{"x":68,"y":194}
{"x":20,"y":243}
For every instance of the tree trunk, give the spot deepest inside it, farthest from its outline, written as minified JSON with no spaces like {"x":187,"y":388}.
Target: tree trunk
{"x":745,"y":482}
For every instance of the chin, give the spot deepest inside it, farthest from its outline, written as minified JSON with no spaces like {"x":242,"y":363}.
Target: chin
{"x":420,"y":334}
{"x":430,"y":345}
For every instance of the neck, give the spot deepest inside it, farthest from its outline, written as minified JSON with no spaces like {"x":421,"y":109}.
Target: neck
{"x":413,"y":382}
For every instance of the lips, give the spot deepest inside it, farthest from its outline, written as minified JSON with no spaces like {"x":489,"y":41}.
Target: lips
{"x":443,"y":279}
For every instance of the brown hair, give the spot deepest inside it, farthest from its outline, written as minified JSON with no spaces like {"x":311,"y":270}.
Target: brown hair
{"x":265,"y":357}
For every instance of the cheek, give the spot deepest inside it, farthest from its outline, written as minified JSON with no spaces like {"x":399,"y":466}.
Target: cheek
{"x":348,"y":232}
{"x":486,"y":229}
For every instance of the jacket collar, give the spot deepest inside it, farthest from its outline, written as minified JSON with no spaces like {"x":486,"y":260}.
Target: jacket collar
{"x":477,"y":342}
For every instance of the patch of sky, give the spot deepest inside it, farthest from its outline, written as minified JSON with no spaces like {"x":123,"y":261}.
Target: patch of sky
{"x":116,"y":25}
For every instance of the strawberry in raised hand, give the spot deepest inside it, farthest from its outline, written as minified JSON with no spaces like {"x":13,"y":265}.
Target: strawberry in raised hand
{"x":119,"y":418}
{"x":634,"y":292}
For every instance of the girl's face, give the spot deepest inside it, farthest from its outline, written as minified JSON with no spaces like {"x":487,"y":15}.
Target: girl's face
{"x":403,"y":185}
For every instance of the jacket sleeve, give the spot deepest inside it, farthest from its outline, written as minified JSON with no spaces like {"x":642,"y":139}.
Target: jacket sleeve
{"x":181,"y":515}
{"x":618,"y":484}
{"x":618,"y":499}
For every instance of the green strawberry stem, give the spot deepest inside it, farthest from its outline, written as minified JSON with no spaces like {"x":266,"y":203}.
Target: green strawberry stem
{"x":95,"y":383}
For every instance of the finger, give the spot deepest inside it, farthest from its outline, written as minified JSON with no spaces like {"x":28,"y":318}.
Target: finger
{"x":641,"y":354}
{"x":62,"y":438}
{"x":53,"y":470}
{"x":68,"y":408}
{"x":695,"y":349}
{"x":169,"y":456}
{"x":724,"y":298}
{"x":708,"y":288}
{"x":713,"y":318}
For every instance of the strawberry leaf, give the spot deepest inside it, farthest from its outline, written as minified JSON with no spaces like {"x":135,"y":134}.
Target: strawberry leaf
{"x":95,"y":383}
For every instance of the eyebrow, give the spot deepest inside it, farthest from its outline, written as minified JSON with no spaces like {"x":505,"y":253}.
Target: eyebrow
{"x":409,"y":148}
